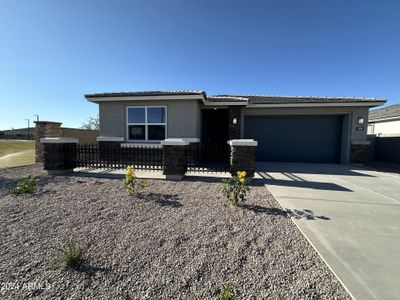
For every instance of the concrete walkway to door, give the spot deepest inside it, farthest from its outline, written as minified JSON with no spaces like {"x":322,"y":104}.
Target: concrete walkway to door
{"x":350,"y":215}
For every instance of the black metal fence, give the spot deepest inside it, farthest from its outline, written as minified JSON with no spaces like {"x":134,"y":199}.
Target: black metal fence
{"x":208,"y":158}
{"x":146,"y":157}
{"x":205,"y":158}
{"x":384,"y":148}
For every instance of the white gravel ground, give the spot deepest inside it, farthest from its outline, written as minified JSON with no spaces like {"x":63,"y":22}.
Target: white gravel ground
{"x":175,"y":240}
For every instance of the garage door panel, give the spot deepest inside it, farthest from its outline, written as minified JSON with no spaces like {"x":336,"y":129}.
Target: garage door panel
{"x":295,"y":138}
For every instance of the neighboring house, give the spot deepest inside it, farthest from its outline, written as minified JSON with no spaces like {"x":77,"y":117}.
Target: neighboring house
{"x":384,"y":121}
{"x":19,"y":133}
{"x":288,"y":129}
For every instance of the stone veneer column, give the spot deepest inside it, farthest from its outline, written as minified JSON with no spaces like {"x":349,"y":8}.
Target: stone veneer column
{"x":234,"y":129}
{"x":243,"y":156}
{"x":59,"y":155}
{"x":175,"y":163}
{"x":359,"y":151}
{"x":45,"y":129}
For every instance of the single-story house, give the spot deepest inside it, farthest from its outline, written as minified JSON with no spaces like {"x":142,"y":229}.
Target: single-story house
{"x":384,"y":121}
{"x":287,"y":128}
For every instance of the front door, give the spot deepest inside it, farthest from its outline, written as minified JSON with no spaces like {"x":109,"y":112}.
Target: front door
{"x":214,"y":136}
{"x":215,"y":126}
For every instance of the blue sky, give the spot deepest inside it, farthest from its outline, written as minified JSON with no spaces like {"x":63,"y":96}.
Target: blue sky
{"x":53,"y":52}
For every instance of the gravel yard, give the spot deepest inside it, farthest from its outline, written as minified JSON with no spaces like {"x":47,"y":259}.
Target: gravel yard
{"x":174,"y":240}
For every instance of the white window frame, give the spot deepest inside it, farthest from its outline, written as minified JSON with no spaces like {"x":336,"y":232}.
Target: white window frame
{"x":146,"y":124}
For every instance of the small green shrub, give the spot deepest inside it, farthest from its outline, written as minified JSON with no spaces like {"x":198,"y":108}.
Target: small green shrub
{"x":235,"y":188}
{"x":227,"y":292}
{"x":132,"y":183}
{"x":28,"y":185}
{"x":71,"y":256}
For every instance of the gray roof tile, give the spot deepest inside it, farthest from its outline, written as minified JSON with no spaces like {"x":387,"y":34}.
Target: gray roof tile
{"x":252,"y":99}
{"x":145,"y":93}
{"x":385,"y":112}
{"x":265,"y":99}
{"x":226,"y":98}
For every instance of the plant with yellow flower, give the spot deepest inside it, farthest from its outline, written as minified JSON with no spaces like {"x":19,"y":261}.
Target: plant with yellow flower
{"x":132,"y":183}
{"x":236,"y":188}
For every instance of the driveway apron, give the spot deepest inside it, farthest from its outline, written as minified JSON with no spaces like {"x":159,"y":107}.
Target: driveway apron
{"x":350,"y":215}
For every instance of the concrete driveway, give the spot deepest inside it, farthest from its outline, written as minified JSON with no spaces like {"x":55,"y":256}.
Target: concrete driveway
{"x":352,"y":218}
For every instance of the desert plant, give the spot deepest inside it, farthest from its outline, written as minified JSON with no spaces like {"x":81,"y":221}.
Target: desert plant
{"x":28,"y":185}
{"x":92,"y":124}
{"x":132,"y":183}
{"x":71,"y":256}
{"x":227,"y":292}
{"x":236,"y":188}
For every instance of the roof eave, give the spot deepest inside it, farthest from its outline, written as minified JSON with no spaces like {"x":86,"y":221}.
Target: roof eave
{"x":225,"y":103}
{"x":319,"y":104}
{"x":97,"y":99}
{"x":383,"y":119}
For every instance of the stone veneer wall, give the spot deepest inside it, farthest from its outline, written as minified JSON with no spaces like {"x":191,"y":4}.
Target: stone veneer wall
{"x":242,"y":159}
{"x":175,"y":164}
{"x":59,"y":157}
{"x":359,"y":153}
{"x":45,"y":129}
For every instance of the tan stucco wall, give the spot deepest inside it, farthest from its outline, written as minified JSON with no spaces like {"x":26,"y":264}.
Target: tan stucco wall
{"x":386,"y":127}
{"x":183,"y":117}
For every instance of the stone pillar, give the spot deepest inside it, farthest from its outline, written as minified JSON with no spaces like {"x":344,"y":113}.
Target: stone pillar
{"x":243,"y":156}
{"x":59,"y":155}
{"x":175,"y":163}
{"x":234,"y":129}
{"x":359,"y":151}
{"x":45,"y":129}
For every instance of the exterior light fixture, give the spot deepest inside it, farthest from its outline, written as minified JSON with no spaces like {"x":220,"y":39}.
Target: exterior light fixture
{"x":234,"y":121}
{"x":360,"y":121}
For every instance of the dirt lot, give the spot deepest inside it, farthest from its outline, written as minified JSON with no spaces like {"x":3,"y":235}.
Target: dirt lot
{"x":175,"y":240}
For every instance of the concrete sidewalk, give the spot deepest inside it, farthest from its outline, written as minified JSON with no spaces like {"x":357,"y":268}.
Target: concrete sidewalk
{"x":352,"y":218}
{"x":144,"y":174}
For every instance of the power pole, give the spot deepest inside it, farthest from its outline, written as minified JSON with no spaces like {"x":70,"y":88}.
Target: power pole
{"x":29,"y":133}
{"x":37,"y":117}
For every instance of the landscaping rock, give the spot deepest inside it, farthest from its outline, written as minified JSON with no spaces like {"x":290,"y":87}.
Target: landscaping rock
{"x":174,"y":240}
